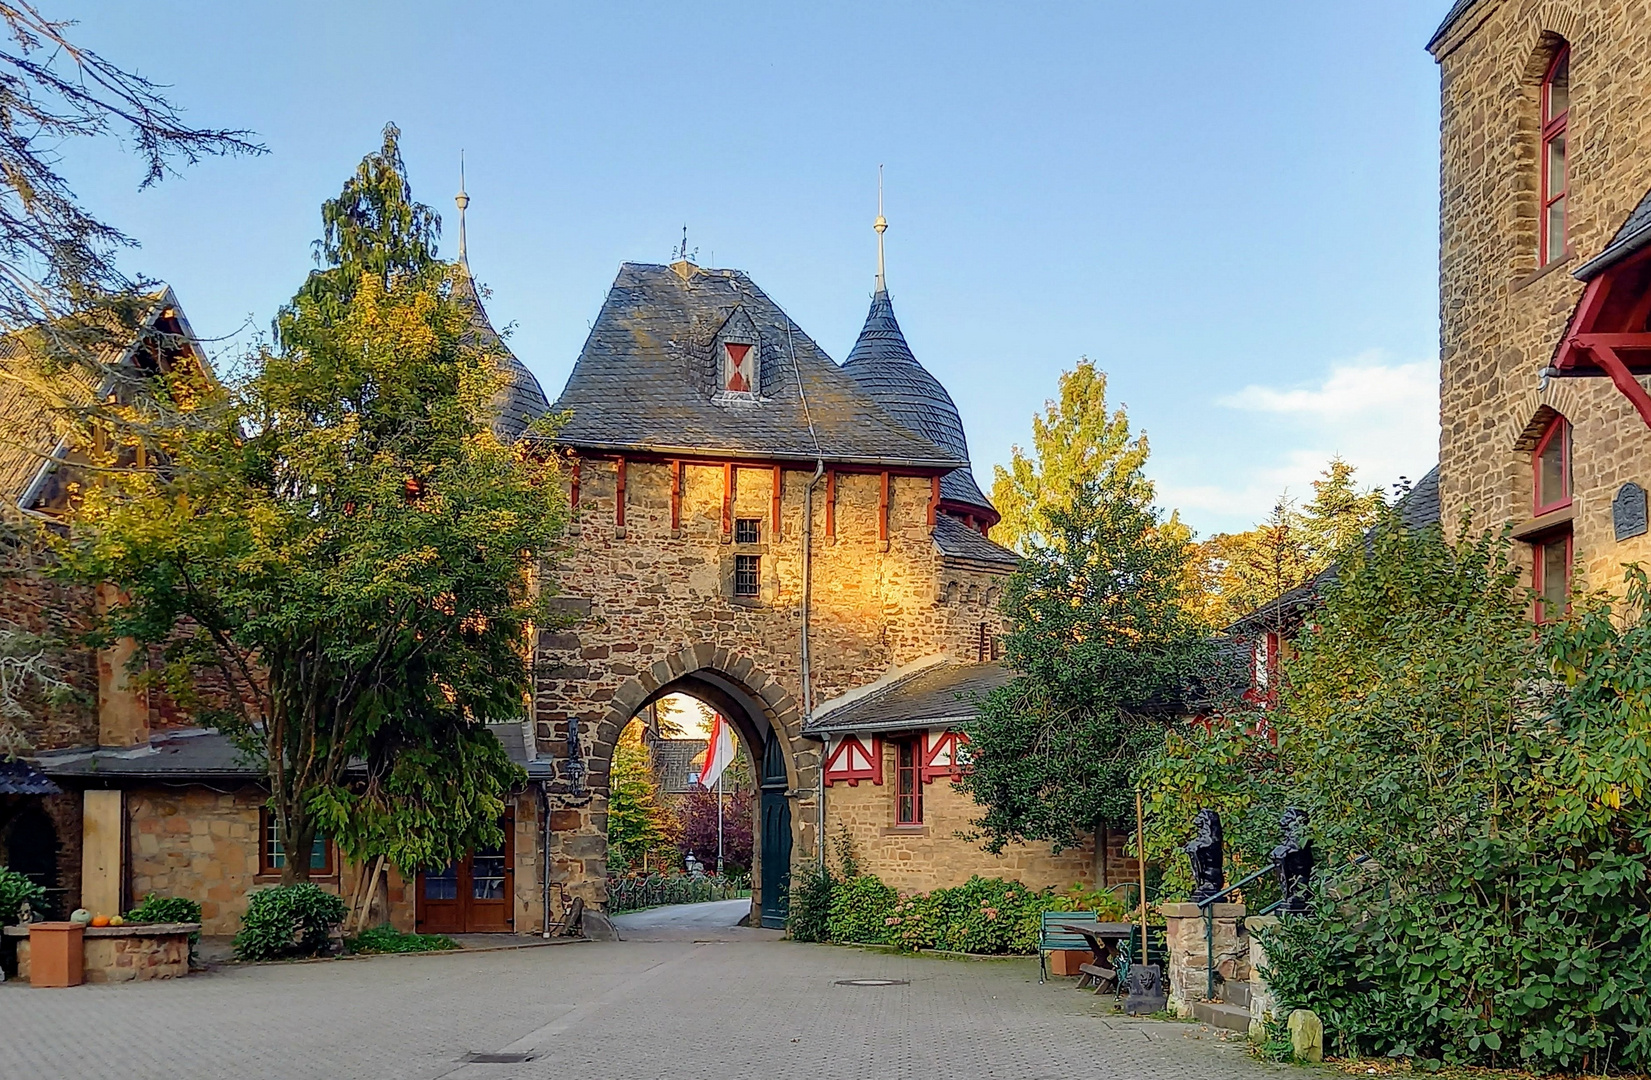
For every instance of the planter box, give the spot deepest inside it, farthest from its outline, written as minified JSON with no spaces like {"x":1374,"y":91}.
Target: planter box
{"x":52,"y":953}
{"x":107,"y":954}
{"x":1066,"y":961}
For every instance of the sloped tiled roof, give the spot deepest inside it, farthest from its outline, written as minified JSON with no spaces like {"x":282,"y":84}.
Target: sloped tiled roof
{"x":21,"y":778}
{"x":28,"y":422}
{"x":938,"y":695}
{"x":523,"y":400}
{"x":673,"y":761}
{"x":646,"y":380}
{"x":1457,"y":10}
{"x":1418,"y":509}
{"x":1632,"y":237}
{"x":884,"y":365}
{"x":957,"y":541}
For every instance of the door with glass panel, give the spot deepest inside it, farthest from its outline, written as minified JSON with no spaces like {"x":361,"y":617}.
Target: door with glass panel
{"x":473,"y":895}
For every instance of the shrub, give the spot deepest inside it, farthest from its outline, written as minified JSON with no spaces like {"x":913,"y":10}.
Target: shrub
{"x":810,"y":915}
{"x":15,"y":890}
{"x":861,"y":908}
{"x":387,"y":939}
{"x":155,"y":908}
{"x":289,"y":920}
{"x":989,"y":915}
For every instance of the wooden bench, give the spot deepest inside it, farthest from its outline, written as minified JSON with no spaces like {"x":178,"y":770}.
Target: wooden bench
{"x":1102,"y":940}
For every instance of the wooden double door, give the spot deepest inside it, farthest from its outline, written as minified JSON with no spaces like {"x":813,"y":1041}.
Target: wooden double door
{"x":475,"y":895}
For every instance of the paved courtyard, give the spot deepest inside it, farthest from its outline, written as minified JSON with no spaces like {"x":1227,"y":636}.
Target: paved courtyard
{"x":699,"y":1000}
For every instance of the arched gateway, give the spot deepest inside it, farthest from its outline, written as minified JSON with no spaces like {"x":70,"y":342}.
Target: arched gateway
{"x":742,"y":502}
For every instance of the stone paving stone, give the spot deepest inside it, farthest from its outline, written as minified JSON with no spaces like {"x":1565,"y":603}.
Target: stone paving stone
{"x":633,"y":1010}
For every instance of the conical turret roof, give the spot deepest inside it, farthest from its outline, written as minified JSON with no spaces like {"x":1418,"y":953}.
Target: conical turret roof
{"x":883,"y":364}
{"x":522,"y":400}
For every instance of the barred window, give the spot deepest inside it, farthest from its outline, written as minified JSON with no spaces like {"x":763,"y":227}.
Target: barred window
{"x":747,"y":530}
{"x":746,"y":574}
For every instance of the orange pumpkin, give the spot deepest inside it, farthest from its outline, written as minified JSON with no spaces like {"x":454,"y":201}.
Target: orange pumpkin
{"x":100,"y":920}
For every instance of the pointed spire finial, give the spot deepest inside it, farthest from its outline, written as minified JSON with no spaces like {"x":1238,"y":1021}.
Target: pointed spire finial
{"x":463,"y":201}
{"x":881,"y":225}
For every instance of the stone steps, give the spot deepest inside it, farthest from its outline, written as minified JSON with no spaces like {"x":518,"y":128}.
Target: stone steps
{"x":1222,"y":1015}
{"x":1234,"y":993}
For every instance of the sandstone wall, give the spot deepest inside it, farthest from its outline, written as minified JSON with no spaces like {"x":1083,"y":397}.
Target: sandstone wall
{"x":661,"y":613}
{"x":1501,"y":314}
{"x":920,"y":858}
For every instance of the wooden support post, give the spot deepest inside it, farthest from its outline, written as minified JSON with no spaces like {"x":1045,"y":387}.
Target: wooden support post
{"x":676,"y":495}
{"x":727,"y":499}
{"x":573,"y":499}
{"x":934,"y":499}
{"x":831,"y":502}
{"x":778,"y":484}
{"x":883,"y":511}
{"x":619,"y":492}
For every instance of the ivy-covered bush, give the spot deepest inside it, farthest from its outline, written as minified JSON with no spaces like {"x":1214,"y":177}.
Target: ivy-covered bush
{"x":1499,"y":780}
{"x":860,"y":910}
{"x":809,"y":918}
{"x":155,"y":908}
{"x":15,"y":891}
{"x":287,"y":921}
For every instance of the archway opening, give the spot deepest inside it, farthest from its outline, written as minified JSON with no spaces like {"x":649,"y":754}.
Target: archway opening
{"x":663,"y":819}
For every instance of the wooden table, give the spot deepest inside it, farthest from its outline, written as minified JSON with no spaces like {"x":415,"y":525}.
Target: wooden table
{"x":1103,"y":939}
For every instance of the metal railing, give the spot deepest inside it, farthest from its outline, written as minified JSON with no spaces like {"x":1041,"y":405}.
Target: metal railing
{"x":1207,"y":907}
{"x":656,"y":890}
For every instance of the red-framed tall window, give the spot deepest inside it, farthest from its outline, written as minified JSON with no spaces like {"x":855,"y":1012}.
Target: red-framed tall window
{"x":1551,"y":574}
{"x":1551,"y":468}
{"x":908,"y":783}
{"x":1556,"y":112}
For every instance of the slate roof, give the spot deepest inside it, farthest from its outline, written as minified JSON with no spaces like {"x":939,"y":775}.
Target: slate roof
{"x":28,"y":423}
{"x":941,"y":695}
{"x":673,"y":762}
{"x":1457,"y":10}
{"x":21,"y":778}
{"x":1631,"y":238}
{"x":1418,"y":509}
{"x":957,"y":541}
{"x":647,"y":380}
{"x":522,"y":400}
{"x":204,"y":754}
{"x":883,"y":364}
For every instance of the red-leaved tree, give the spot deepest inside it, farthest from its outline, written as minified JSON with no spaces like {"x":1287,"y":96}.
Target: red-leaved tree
{"x":699,"y":829}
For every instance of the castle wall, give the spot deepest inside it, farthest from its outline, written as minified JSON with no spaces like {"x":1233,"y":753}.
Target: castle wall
{"x":1501,"y":315}
{"x":661,"y":608}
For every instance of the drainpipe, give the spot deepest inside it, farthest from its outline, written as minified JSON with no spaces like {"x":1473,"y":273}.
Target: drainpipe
{"x":544,"y":856}
{"x":808,"y":684}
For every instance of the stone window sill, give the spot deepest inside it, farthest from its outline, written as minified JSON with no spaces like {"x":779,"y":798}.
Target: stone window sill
{"x":1541,"y":272}
{"x":275,"y":879}
{"x":906,"y":830}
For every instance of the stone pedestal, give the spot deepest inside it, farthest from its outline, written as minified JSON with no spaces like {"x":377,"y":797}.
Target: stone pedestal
{"x":1189,"y":955}
{"x":1262,"y":1004}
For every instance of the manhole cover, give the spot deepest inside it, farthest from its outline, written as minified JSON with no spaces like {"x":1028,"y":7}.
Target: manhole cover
{"x":872,"y":982}
{"x":474,"y":1058}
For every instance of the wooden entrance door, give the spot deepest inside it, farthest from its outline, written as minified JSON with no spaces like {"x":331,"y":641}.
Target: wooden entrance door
{"x":776,"y":836}
{"x":474,"y":895}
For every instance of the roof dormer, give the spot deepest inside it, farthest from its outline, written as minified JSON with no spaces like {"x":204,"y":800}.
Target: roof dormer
{"x":737,"y":353}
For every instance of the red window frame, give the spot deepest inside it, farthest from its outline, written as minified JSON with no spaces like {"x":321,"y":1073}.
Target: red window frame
{"x":1539,"y":581}
{"x":1553,"y":129}
{"x":267,"y":855}
{"x":908,"y":782}
{"x":1560,"y":428}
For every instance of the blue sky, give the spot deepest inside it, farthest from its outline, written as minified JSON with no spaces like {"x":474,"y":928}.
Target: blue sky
{"x":1231,"y":208}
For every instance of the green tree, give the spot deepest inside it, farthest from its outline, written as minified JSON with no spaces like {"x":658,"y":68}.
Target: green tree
{"x":1106,"y":645}
{"x":337,"y":559}
{"x":1075,"y":441}
{"x":638,"y":820}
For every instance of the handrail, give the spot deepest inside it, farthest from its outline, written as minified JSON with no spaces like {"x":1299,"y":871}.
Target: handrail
{"x":1207,"y":905}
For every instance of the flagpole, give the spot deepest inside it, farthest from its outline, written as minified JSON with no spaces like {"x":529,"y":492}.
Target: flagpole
{"x":719,"y":823}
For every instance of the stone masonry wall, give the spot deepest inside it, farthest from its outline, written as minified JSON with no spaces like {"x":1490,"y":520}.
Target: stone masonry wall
{"x":1501,"y":314}
{"x":661,"y":613}
{"x":916,"y":859}
{"x":40,"y":606}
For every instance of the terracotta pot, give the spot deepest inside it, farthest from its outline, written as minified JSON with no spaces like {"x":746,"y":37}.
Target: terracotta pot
{"x":1066,"y":961}
{"x":56,"y":953}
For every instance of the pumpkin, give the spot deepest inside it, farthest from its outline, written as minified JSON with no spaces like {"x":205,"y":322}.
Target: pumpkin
{"x":116,"y":920}
{"x":81,"y":916}
{"x":100,"y":920}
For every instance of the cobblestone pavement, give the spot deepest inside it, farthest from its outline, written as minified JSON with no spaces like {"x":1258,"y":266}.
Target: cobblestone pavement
{"x":629,"y":1010}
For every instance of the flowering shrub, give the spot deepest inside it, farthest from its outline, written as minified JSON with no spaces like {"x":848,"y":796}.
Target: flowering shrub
{"x":984,"y":915}
{"x":861,"y":907}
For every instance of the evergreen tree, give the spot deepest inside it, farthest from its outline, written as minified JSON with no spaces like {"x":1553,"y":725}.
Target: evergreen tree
{"x":638,"y":820}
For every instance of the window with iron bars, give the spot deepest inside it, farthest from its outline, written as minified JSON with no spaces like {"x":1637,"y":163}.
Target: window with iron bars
{"x":747,"y":575}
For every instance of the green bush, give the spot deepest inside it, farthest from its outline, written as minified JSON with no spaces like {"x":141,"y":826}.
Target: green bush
{"x":15,"y":890}
{"x":289,"y":920}
{"x":861,"y":908}
{"x":809,"y":918}
{"x":387,"y":939}
{"x":155,"y":908}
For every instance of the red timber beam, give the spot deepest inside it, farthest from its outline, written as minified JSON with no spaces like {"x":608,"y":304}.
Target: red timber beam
{"x":883,"y":509}
{"x":778,"y":489}
{"x":727,"y":500}
{"x":934,"y":498}
{"x":573,"y":497}
{"x":676,"y":495}
{"x":831,"y":502}
{"x":1626,"y":384}
{"x":619,"y":492}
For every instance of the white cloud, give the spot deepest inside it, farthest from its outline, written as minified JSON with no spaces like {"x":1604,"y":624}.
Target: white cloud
{"x":1381,"y":417}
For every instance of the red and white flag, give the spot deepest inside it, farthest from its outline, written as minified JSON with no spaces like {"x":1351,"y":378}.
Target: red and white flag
{"x":719,"y":755}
